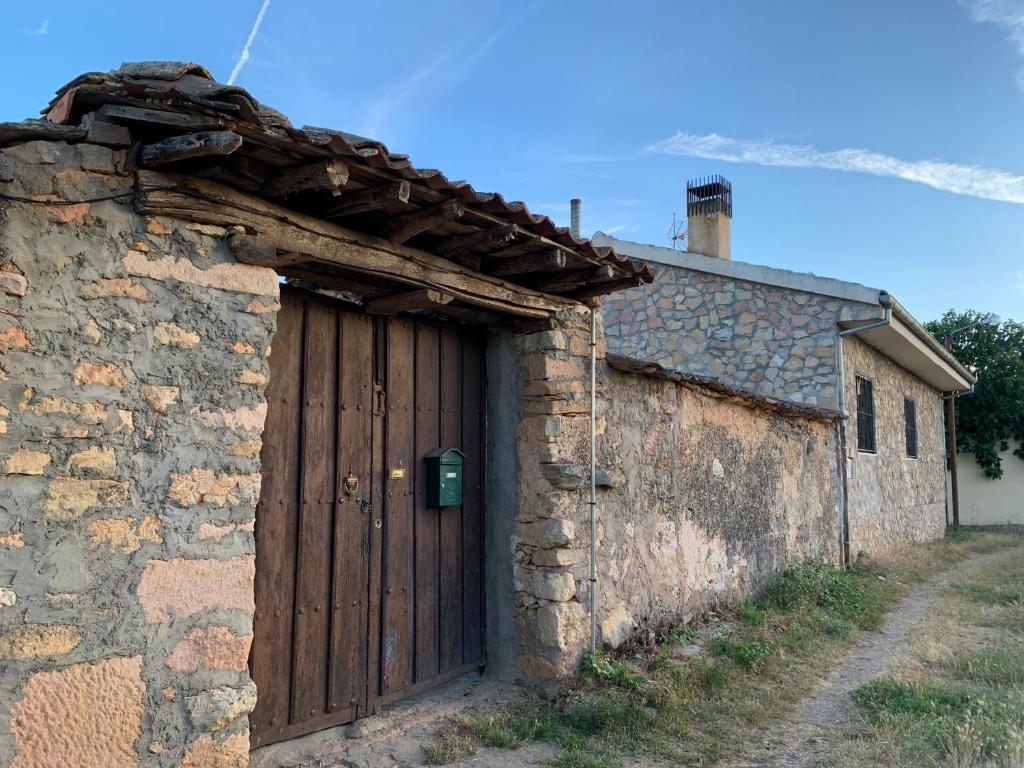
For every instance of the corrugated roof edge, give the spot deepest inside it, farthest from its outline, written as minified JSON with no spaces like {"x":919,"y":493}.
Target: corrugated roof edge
{"x":718,"y":389}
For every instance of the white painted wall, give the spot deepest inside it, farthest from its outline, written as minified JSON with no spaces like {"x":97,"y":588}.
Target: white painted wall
{"x":984,"y":501}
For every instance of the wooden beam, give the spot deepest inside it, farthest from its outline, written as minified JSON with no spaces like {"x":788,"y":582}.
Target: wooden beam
{"x":207,"y":202}
{"x":425,"y":298}
{"x":321,"y":176}
{"x":189,"y":145}
{"x":257,"y":249}
{"x":609,"y":286}
{"x":408,"y":225}
{"x":161,"y":117}
{"x":572,"y":279}
{"x":551,"y":260}
{"x":456,"y":245}
{"x":371,"y":199}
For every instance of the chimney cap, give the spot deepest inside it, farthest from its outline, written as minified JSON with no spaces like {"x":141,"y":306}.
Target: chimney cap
{"x":709,"y":194}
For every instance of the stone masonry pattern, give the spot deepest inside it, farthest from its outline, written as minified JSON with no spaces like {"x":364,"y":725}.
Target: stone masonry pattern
{"x":771,"y":341}
{"x":894,"y":500}
{"x":133,"y":358}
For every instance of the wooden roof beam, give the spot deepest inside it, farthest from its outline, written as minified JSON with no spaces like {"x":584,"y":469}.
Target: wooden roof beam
{"x":371,"y":199}
{"x":425,"y":298}
{"x":551,"y":260}
{"x":188,"y":146}
{"x":337,"y":247}
{"x":572,"y":279}
{"x":609,"y":286}
{"x":457,"y":245}
{"x":320,"y":176}
{"x":408,"y":225}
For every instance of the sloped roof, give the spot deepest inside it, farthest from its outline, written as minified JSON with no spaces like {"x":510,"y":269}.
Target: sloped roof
{"x":174,"y":98}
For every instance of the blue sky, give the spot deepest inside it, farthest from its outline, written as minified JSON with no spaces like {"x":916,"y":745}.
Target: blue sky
{"x":872,"y":141}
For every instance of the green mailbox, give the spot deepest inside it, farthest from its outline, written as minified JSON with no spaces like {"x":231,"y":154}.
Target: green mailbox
{"x":444,"y":477}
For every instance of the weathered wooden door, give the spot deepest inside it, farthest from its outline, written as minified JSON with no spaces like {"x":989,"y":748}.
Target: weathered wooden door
{"x":363,"y":593}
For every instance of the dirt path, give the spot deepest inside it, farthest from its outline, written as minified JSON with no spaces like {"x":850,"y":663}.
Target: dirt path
{"x":801,"y":742}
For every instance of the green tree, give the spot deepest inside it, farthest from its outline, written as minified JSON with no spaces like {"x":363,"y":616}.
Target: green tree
{"x":989,"y":419}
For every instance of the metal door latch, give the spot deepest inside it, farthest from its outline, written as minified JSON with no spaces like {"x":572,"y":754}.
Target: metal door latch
{"x":351,"y":484}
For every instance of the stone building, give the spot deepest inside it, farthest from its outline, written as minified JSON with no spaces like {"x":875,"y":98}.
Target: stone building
{"x":235,"y":357}
{"x":801,"y":338}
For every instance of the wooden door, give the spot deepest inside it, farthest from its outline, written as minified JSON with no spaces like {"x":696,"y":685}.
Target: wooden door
{"x":363,"y":593}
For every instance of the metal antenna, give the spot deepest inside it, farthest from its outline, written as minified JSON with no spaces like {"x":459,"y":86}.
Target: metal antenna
{"x":677,"y":234}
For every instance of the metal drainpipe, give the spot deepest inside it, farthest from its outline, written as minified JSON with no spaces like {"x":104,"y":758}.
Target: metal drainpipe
{"x":885,"y":301}
{"x":593,"y":479}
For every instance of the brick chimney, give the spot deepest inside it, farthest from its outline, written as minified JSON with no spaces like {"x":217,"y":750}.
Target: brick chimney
{"x":708,"y":216}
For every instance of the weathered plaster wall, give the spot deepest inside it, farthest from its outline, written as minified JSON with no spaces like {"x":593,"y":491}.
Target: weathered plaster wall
{"x":984,"y":501}
{"x":771,"y":341}
{"x":133,"y":358}
{"x":708,"y":498}
{"x":893,"y":499}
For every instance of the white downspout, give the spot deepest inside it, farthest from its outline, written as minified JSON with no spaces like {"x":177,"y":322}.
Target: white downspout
{"x":593,"y":479}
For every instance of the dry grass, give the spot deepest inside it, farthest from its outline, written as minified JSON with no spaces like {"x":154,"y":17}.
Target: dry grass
{"x":957,"y":697}
{"x":760,"y":661}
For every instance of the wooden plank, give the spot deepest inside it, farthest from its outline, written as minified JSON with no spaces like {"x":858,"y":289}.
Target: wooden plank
{"x":374,"y":688}
{"x":403,"y":302}
{"x":428,"y":395}
{"x":189,"y":145}
{"x":405,"y":227}
{"x":572,"y":279}
{"x":292,"y":232}
{"x":161,"y":117}
{"x":316,"y":513}
{"x":276,"y":526}
{"x":385,"y":196}
{"x":320,"y":176}
{"x":472,"y":498}
{"x":398,"y":641}
{"x":450,"y":518}
{"x":551,"y":260}
{"x":352,"y":521}
{"x":458,"y":245}
{"x":608,"y":286}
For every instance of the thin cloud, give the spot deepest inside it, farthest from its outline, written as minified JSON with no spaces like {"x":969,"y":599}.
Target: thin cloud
{"x":971,"y":180}
{"x":248,"y":43}
{"x":43,"y":29}
{"x":1008,"y":14}
{"x":396,"y":97}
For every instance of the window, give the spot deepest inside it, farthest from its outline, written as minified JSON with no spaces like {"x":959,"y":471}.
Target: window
{"x":865,"y":415}
{"x":910,"y":425}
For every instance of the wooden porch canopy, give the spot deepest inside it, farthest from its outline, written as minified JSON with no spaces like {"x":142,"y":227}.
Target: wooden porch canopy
{"x":330,"y":207}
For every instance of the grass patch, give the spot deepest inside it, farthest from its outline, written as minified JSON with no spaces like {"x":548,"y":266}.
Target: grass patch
{"x":760,"y":659}
{"x":964,"y":705}
{"x":990,"y":595}
{"x":993,"y":666}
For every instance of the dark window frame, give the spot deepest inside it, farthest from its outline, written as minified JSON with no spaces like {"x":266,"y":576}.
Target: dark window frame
{"x":866,"y":415}
{"x":910,"y":426}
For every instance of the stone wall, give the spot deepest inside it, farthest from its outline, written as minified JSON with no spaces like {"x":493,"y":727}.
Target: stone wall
{"x":133,"y":359}
{"x":707,"y":499}
{"x":893,"y":499}
{"x":772,"y":341}
{"x":551,"y":539}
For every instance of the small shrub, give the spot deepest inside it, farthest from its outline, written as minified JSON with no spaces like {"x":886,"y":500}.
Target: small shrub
{"x":598,"y":665}
{"x":836,"y":627}
{"x":453,"y":744}
{"x":711,"y":676}
{"x":752,"y":614}
{"x":747,"y":653}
